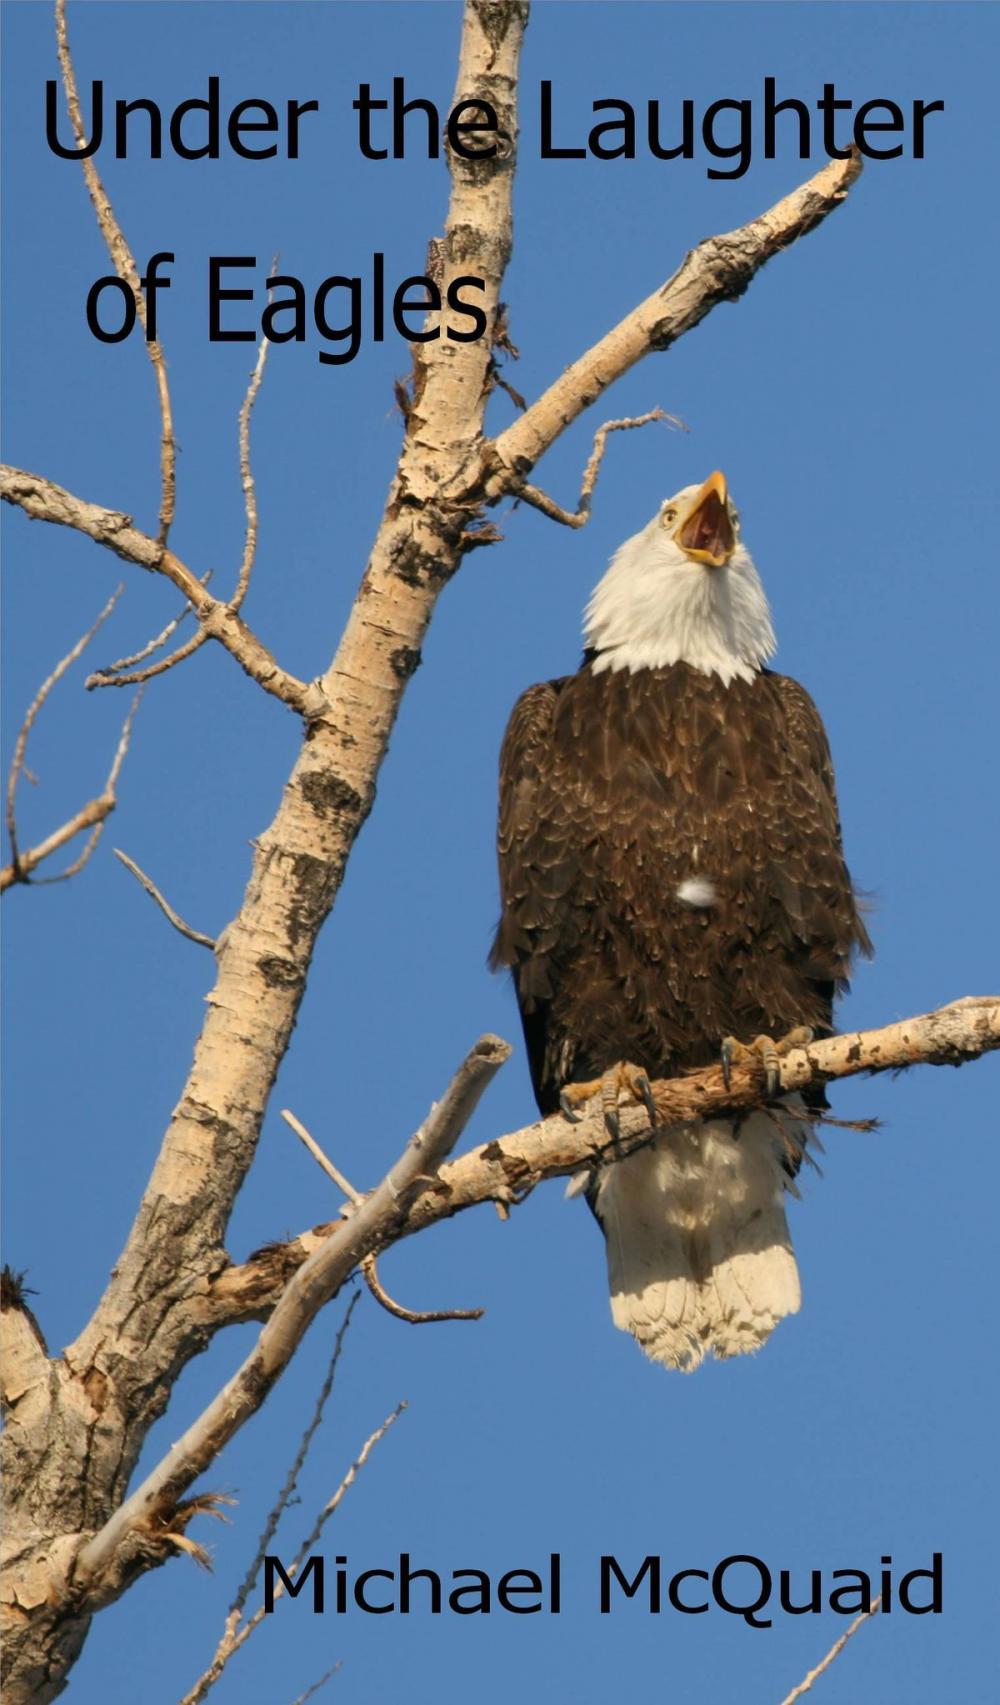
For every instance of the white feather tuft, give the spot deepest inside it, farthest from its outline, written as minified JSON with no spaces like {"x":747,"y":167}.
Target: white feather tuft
{"x":697,"y":891}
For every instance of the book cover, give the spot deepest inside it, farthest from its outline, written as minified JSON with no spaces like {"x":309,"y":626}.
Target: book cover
{"x":345,"y":346}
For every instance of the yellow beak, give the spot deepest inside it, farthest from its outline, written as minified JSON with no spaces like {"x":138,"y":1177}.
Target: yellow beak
{"x":706,"y":534}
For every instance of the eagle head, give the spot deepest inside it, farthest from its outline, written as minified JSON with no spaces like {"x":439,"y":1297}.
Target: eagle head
{"x":684,"y":590}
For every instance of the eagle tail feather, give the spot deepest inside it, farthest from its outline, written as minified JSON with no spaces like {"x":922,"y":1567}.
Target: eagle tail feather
{"x":700,"y":1258}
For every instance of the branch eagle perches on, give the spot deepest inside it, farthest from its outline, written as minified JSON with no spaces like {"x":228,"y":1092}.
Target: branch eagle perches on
{"x":77,"y":1422}
{"x":508,"y":1168}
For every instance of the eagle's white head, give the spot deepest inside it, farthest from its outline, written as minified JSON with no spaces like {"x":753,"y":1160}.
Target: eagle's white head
{"x":684,"y":590}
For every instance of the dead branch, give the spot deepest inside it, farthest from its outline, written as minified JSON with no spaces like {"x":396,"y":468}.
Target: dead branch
{"x":114,"y":674}
{"x":20,"y":745}
{"x":98,"y":1573}
{"x":369,"y":1268}
{"x":124,"y":265}
{"x":91,"y":816}
{"x":507,"y":1169}
{"x":43,"y":500}
{"x":235,"y":1636}
{"x":805,"y":1685}
{"x":314,"y":1687}
{"x":166,"y":908}
{"x":413,"y":1317}
{"x":246,"y":472}
{"x":579,"y":516}
{"x":103,"y":678}
{"x":322,"y":1160}
{"x":231,"y":1634}
{"x":292,"y":1478}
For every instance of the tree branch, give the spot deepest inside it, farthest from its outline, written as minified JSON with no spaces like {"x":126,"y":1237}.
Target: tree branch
{"x":508,"y":1168}
{"x":114,"y":674}
{"x":124,"y":264}
{"x":91,"y":816}
{"x":719,"y":270}
{"x":805,"y":1685}
{"x":235,"y":1635}
{"x":246,"y":472}
{"x":166,"y":908}
{"x":579,"y":516}
{"x":43,"y":500}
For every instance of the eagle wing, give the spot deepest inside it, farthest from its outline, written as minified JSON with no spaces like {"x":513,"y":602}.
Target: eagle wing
{"x":818,"y":894}
{"x":538,"y":853}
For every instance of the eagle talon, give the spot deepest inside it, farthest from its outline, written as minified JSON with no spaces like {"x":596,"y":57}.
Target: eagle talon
{"x":567,"y":1109}
{"x":767,"y":1053}
{"x":645,"y":1093}
{"x":613,"y":1125}
{"x":726,"y":1054}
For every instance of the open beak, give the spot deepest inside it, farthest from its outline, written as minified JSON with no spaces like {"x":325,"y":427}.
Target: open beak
{"x":707,"y":533}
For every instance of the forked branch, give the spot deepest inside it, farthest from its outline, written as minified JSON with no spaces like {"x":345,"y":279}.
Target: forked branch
{"x":94,"y":813}
{"x":43,"y":500}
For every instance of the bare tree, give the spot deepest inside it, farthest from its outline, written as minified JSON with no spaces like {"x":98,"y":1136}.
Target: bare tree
{"x":77,"y":1538}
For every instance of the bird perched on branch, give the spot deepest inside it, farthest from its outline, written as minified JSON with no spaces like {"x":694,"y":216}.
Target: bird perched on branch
{"x":674,"y":892}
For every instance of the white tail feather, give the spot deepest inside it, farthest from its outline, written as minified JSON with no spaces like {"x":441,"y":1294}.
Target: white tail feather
{"x":699,"y":1254}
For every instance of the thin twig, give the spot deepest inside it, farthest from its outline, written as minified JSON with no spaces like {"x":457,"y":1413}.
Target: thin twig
{"x":151,"y":645}
{"x":111,"y":674}
{"x":414,"y":1317}
{"x":124,"y":265}
{"x":182,"y":652}
{"x":579,"y":516}
{"x":91,"y":816}
{"x":322,"y":1160}
{"x":17,"y":762}
{"x":246,"y":472}
{"x":835,"y":1650}
{"x":326,"y":1512}
{"x":866,"y":1126}
{"x":165,"y":907}
{"x":235,"y":1636}
{"x":291,"y":1481}
{"x":108,"y":800}
{"x":315,"y":1686}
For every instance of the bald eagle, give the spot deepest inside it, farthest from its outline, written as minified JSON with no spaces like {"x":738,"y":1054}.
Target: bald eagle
{"x":674,"y":889}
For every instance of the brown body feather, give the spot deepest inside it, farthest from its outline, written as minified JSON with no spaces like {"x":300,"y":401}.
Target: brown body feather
{"x":616,"y":788}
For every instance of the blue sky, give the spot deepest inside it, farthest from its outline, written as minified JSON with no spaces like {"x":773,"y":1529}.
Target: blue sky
{"x":850,"y":398}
